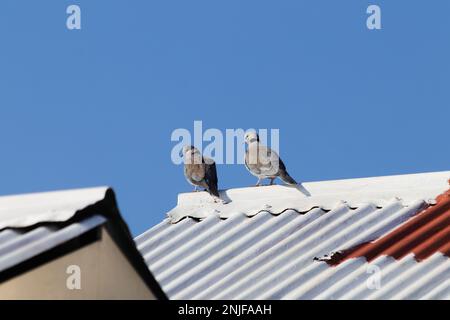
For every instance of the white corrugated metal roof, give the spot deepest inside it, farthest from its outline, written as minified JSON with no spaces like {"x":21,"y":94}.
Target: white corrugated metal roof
{"x":18,"y":245}
{"x":324,"y":194}
{"x":25,"y":210}
{"x":261,"y":248}
{"x":32,"y":224}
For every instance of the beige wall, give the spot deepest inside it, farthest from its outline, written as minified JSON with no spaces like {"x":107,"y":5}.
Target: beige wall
{"x":105,"y":274}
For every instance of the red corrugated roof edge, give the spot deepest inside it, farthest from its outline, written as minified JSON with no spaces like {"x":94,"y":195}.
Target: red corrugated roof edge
{"x":424,"y":234}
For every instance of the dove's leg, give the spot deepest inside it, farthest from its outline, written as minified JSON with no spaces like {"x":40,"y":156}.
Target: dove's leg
{"x":271,"y":180}
{"x":218,"y":200}
{"x":258,"y":183}
{"x":195,"y":189}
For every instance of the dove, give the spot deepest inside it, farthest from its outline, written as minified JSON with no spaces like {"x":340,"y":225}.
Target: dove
{"x":263,"y":162}
{"x":200,"y":171}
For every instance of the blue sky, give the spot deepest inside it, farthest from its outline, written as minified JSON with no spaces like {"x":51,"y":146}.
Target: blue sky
{"x":97,"y":106}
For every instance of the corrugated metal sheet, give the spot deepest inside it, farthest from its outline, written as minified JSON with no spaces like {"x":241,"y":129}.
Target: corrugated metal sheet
{"x":18,"y":245}
{"x":284,"y":256}
{"x":31,"y":224}
{"x":423,"y":235}
{"x":325,"y":194}
{"x":19,"y":211}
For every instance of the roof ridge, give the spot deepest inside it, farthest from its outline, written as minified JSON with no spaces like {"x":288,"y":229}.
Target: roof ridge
{"x":324,"y":194}
{"x":21,"y":211}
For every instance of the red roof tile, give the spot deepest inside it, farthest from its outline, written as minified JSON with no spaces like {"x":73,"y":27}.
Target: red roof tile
{"x":423,"y":235}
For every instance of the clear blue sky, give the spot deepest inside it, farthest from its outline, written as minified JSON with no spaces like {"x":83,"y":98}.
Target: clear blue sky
{"x":97,"y":106}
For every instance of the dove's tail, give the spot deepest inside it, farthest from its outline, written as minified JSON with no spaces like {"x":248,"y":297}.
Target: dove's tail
{"x":290,"y":181}
{"x":302,"y":189}
{"x":214,"y":191}
{"x":287,"y":178}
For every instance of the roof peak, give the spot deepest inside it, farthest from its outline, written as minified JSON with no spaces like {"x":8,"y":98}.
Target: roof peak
{"x":19,"y":211}
{"x":325,"y":194}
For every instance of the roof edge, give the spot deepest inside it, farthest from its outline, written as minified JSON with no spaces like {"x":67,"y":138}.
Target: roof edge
{"x":48,"y":207}
{"x":64,"y":207}
{"x":379,"y":191}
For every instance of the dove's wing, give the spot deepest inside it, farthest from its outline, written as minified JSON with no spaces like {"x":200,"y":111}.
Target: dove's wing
{"x":211,"y":176}
{"x":268,"y":161}
{"x":253,"y":168}
{"x":281,"y":166}
{"x":194,"y":173}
